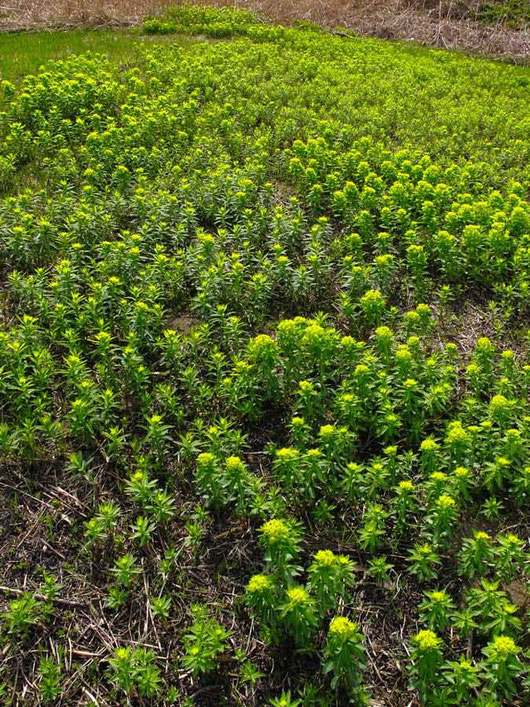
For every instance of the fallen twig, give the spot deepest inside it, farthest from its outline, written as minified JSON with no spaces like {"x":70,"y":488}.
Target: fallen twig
{"x":37,"y":595}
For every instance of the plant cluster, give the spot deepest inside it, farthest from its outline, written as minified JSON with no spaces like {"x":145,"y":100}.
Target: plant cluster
{"x":264,"y":366}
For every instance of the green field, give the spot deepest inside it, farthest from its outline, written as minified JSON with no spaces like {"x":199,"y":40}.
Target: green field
{"x":264,"y":369}
{"x":25,"y":52}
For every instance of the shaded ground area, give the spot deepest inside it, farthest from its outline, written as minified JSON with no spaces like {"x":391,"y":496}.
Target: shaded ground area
{"x":451,"y":25}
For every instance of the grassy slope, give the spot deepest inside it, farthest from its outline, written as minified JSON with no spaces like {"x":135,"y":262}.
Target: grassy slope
{"x":450,"y":106}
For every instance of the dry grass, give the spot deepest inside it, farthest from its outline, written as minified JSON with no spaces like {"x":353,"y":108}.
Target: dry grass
{"x":42,"y":14}
{"x":451,"y":24}
{"x":441,"y":23}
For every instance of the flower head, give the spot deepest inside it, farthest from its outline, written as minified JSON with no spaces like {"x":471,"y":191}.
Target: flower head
{"x":275,"y":531}
{"x":325,"y":558}
{"x":342,"y":627}
{"x":286,"y":454}
{"x":426,"y":640}
{"x":503,"y":646}
{"x":235,"y":464}
{"x":438,"y":476}
{"x":205,"y":459}
{"x":297,"y":595}
{"x":445,"y":502}
{"x":259,"y":583}
{"x":438,"y":597}
{"x":482,"y":536}
{"x":327,"y":430}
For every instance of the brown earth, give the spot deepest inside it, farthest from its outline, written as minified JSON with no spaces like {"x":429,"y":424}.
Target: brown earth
{"x":451,"y":24}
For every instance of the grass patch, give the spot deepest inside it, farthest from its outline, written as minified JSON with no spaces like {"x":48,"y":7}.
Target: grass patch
{"x":23,"y":53}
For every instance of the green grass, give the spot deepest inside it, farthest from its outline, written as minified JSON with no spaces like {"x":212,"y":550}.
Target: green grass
{"x":23,"y":53}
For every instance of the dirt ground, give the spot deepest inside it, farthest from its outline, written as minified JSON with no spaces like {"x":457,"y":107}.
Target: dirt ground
{"x":450,"y":24}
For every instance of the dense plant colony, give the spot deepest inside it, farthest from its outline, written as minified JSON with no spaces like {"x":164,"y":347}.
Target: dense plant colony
{"x":514,"y":13}
{"x":265,"y":406}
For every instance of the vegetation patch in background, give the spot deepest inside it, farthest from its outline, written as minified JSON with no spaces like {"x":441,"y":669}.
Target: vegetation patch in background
{"x":443,"y":23}
{"x":24,"y":53}
{"x":515,"y":13}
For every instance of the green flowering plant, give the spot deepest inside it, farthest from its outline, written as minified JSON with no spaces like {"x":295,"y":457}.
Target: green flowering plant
{"x":103,"y":524}
{"x":373,"y":527}
{"x":308,"y":402}
{"x":500,"y":410}
{"x":344,"y":655}
{"x":126,"y":570}
{"x":211,"y":481}
{"x":50,"y":675}
{"x":285,"y":700}
{"x":426,"y":657}
{"x":520,"y":485}
{"x":299,"y":615}
{"x":134,"y":671}
{"x":205,"y":642}
{"x":300,"y":432}
{"x":492,"y":508}
{"x":476,"y":554}
{"x":436,"y":610}
{"x":261,"y":595}
{"x":373,"y":304}
{"x":510,"y":557}
{"x":286,"y":466}
{"x":496,"y":473}
{"x":156,"y":435}
{"x":379,"y":569}
{"x":423,"y":562}
{"x":490,"y":606}
{"x":464,"y":622}
{"x":404,"y":505}
{"x":239,"y":481}
{"x":385,"y":341}
{"x":461,"y":483}
{"x":441,"y":519}
{"x":281,"y":540}
{"x":142,"y":530}
{"x":351,"y":482}
{"x":331,"y":577}
{"x":504,"y":619}
{"x":458,"y":443}
{"x":22,"y":613}
{"x":435,"y":485}
{"x":501,"y":666}
{"x":430,"y":455}
{"x":462,"y":678}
